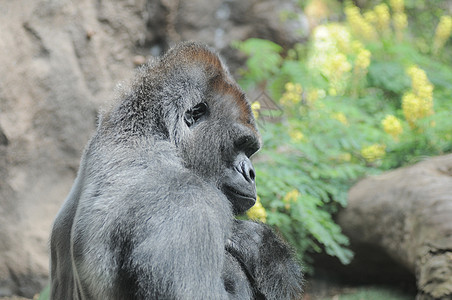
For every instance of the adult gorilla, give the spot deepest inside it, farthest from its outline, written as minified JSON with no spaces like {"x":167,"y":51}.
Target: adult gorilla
{"x":151,"y":213}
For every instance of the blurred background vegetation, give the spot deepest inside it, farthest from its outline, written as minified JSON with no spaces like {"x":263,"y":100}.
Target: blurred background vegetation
{"x":369,"y":91}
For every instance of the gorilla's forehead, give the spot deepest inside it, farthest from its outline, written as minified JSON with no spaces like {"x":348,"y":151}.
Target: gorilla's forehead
{"x":234,"y":98}
{"x":204,"y":59}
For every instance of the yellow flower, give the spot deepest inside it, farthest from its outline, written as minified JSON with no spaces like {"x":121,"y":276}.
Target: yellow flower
{"x":340,"y":64}
{"x":292,"y":94}
{"x":383,"y":17}
{"x":442,"y":33}
{"x":373,"y":152}
{"x":358,"y":24}
{"x":400,"y":23}
{"x":410,"y":107}
{"x":370,"y":17}
{"x":294,"y":88}
{"x":296,"y":135}
{"x":363,"y":59}
{"x":362,"y":62}
{"x":255,"y":107}
{"x":392,"y":126}
{"x":418,"y":103}
{"x":397,"y":5}
{"x":399,"y":17}
{"x":312,"y":96}
{"x":291,"y":197}
{"x":257,"y":212}
{"x":298,"y":89}
{"x":340,"y":117}
{"x":340,"y":35}
{"x":357,"y":46}
{"x":415,"y":108}
{"x":337,"y":72}
{"x":420,"y":83}
{"x":289,"y":86}
{"x":331,"y":43}
{"x":323,"y":43}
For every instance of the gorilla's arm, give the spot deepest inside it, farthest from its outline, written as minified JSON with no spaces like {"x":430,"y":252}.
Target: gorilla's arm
{"x":267,"y":260}
{"x":235,"y":279}
{"x":165,"y":239}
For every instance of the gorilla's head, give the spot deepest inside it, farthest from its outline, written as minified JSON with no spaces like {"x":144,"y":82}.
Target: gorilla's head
{"x":189,"y":98}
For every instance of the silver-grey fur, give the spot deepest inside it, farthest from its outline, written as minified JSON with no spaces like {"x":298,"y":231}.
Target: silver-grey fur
{"x":148,"y":216}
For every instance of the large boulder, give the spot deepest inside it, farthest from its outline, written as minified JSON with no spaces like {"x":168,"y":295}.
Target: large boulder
{"x":407,"y":214}
{"x":59,"y":61}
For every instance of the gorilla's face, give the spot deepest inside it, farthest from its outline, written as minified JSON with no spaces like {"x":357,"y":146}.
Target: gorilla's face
{"x":219,"y":138}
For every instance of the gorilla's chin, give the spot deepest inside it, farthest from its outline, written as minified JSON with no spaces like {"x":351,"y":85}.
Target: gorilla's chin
{"x":241,"y":200}
{"x":238,"y":184}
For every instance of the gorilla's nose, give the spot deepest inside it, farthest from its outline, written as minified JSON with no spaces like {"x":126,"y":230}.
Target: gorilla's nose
{"x":245,"y":167}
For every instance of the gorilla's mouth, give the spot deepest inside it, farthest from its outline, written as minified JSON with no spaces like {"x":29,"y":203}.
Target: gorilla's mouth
{"x":241,"y":201}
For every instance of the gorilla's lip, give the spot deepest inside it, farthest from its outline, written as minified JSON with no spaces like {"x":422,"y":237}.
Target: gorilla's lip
{"x":231,"y":192}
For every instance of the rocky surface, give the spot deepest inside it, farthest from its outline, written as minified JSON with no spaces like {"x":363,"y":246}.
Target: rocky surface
{"x":59,"y":62}
{"x":406,"y":216}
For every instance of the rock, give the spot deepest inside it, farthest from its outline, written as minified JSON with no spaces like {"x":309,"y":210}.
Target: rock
{"x":55,"y":74}
{"x":407,"y":213}
{"x":60,"y":60}
{"x":219,"y":22}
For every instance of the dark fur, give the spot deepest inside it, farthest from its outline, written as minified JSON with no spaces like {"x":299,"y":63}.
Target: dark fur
{"x":146,"y":217}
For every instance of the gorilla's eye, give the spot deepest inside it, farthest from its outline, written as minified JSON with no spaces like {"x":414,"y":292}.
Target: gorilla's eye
{"x":194,"y":114}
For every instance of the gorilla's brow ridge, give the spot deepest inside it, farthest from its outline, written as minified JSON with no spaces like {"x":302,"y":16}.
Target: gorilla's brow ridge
{"x":221,"y":86}
{"x":221,"y":81}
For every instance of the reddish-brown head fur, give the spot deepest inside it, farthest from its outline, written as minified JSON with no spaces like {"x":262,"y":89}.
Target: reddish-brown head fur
{"x":220,"y":81}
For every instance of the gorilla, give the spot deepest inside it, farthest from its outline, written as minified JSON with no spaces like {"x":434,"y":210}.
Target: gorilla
{"x":151,"y":214}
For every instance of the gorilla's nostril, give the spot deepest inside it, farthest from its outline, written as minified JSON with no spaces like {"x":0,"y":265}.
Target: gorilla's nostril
{"x":252,"y":175}
{"x":246,"y":168}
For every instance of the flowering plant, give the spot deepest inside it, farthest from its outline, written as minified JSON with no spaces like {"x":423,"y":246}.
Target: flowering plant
{"x":358,"y":98}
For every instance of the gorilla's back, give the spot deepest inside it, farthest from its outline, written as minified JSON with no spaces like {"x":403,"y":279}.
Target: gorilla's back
{"x":61,"y":276}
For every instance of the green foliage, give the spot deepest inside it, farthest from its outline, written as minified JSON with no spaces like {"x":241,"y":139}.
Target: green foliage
{"x":45,"y":293}
{"x":264,"y":58}
{"x":389,"y":77}
{"x":345,"y":115}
